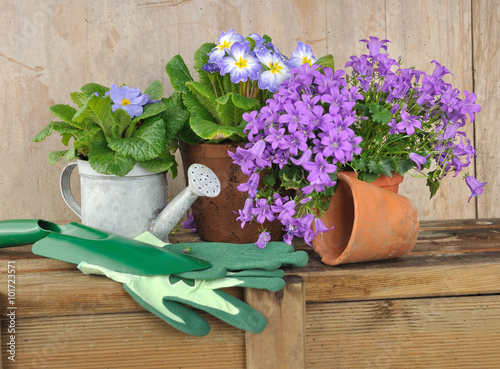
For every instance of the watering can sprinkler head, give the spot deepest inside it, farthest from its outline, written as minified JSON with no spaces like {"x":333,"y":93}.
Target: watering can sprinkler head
{"x":202,"y":181}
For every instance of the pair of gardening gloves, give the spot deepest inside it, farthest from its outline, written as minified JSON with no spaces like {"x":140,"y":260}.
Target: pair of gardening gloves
{"x":232,"y":265}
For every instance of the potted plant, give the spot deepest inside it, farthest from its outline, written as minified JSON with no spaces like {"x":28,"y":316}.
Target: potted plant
{"x":235,"y":76}
{"x":378,"y":120}
{"x":119,"y":137}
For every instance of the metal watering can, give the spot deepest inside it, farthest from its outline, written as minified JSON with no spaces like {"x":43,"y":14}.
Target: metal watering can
{"x":137,"y":202}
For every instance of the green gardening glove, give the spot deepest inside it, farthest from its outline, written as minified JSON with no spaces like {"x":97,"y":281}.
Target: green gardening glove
{"x":164,"y":296}
{"x":226,"y":257}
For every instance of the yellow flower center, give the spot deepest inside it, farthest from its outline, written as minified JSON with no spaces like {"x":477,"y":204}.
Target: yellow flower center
{"x":275,"y":68}
{"x":125,"y":102}
{"x":241,"y":63}
{"x":225,"y":45}
{"x":306,"y":60}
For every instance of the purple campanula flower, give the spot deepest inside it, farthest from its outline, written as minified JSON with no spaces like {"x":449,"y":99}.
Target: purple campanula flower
{"x":408,"y":123}
{"x":418,"y":159}
{"x":246,"y":212}
{"x":264,"y":238}
{"x":263,"y":211}
{"x":319,"y":170}
{"x":250,"y":186}
{"x":242,"y":63}
{"x":475,"y":186}
{"x":129,"y":99}
{"x":189,"y":223}
{"x":374,"y":46}
{"x":285,"y":210}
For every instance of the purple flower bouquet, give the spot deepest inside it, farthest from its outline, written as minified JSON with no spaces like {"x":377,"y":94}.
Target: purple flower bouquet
{"x":378,"y":119}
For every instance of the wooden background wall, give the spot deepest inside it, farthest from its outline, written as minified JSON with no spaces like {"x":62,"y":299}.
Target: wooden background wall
{"x":50,"y":48}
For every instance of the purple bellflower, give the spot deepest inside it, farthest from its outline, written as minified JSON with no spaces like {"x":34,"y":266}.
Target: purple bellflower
{"x":475,"y":186}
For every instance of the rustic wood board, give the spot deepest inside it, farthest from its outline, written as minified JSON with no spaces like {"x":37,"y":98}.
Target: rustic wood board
{"x":486,"y":62}
{"x":455,"y":332}
{"x":122,"y":340}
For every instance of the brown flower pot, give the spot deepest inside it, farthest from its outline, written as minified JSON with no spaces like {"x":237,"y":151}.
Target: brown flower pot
{"x":371,"y":223}
{"x":215,"y":218}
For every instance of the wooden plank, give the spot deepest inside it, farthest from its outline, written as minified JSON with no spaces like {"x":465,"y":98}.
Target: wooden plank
{"x":132,"y":340}
{"x":349,"y":21}
{"x":462,"y":332}
{"x":305,"y":21}
{"x":486,"y":62}
{"x":37,"y":58}
{"x":282,"y":343}
{"x":422,"y":31}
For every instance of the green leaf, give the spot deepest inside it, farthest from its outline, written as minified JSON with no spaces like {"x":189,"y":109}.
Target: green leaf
{"x":45,"y":132}
{"x":155,"y":90}
{"x":98,"y":110}
{"x":187,"y":135}
{"x":78,"y":98}
{"x":267,"y":38}
{"x":232,"y":106}
{"x":90,"y":88}
{"x":194,"y":107}
{"x":228,"y":85}
{"x":165,"y":161}
{"x":84,"y":140}
{"x":368,"y":176}
{"x":379,"y":114}
{"x":104,"y":160}
{"x":385,"y":166}
{"x":175,"y":119}
{"x":433,"y":184}
{"x":212,"y":131}
{"x":326,"y":61}
{"x":269,"y":180}
{"x":146,"y":143}
{"x":64,"y":112}
{"x":404,"y":165}
{"x":251,"y":41}
{"x":205,"y":96}
{"x":124,"y":122}
{"x":291,"y":177}
{"x":178,"y":73}
{"x":54,"y":156}
{"x":150,"y":110}
{"x":201,"y":55}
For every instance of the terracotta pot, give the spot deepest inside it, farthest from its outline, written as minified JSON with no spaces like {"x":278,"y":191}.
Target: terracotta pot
{"x":389,"y":183}
{"x":215,"y":218}
{"x":371,"y":223}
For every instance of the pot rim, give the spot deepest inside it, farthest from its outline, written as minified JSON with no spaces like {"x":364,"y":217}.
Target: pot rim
{"x":85,"y":169}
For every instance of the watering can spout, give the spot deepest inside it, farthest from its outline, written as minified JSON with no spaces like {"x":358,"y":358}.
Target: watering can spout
{"x":201,"y":182}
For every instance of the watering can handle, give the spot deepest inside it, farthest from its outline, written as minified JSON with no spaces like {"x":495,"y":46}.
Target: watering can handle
{"x":65,"y":185}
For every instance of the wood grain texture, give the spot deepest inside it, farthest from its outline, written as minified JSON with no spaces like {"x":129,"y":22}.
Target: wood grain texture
{"x":455,"y":332}
{"x":282,"y":343}
{"x":486,"y":62}
{"x":122,"y":340}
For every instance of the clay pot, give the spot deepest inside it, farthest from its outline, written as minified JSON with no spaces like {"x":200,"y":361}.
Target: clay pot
{"x":389,"y":183}
{"x":371,"y":223}
{"x":215,"y":218}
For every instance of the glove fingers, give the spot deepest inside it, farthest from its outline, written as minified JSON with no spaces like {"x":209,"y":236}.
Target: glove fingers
{"x":177,"y":315}
{"x":263,"y":283}
{"x":243,"y":317}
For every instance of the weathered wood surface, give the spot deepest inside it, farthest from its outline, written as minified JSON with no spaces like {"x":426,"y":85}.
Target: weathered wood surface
{"x":437,"y":306}
{"x":50,"y":48}
{"x":282,"y":344}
